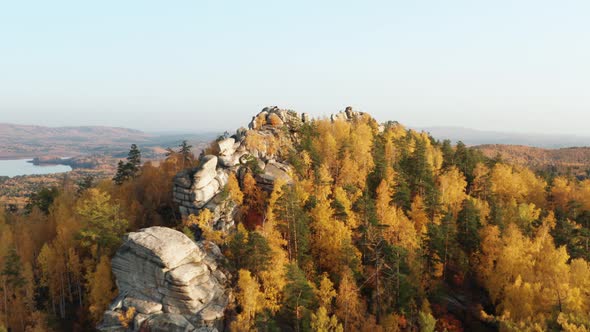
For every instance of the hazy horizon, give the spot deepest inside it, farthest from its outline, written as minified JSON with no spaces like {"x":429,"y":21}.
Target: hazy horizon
{"x":209,"y":66}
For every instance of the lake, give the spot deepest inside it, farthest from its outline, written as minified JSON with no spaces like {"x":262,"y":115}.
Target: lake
{"x":24,"y":167}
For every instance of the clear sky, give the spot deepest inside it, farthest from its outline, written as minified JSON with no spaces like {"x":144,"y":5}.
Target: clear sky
{"x":511,"y":65}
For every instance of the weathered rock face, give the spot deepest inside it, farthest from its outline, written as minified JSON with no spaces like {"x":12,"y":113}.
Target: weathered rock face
{"x":272,"y":172}
{"x":173,"y":283}
{"x":194,"y":188}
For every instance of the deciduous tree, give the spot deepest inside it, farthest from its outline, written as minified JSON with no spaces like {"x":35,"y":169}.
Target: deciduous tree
{"x":101,"y":288}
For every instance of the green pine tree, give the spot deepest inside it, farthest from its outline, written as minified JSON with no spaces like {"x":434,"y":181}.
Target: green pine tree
{"x":299,"y":297}
{"x":131,"y":168}
{"x":133,"y":160}
{"x":468,"y":226}
{"x":12,"y":279}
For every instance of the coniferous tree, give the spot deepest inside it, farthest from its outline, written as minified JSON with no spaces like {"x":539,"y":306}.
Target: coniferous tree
{"x":134,"y":159}
{"x":120,"y":176}
{"x":441,"y":245}
{"x":130,"y":169}
{"x":466,"y":159}
{"x":294,"y":225}
{"x":42,"y":200}
{"x":468,"y":227}
{"x":13,"y":281}
{"x":133,"y":164}
{"x":86,"y":183}
{"x":186,"y":154}
{"x":13,"y":270}
{"x":298,"y":298}
{"x":448,"y":153}
{"x":420,"y":177}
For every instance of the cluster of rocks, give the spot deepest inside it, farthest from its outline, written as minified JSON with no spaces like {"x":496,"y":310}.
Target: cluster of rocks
{"x":274,"y":117}
{"x":349,"y":114}
{"x":171,"y":282}
{"x":201,"y":187}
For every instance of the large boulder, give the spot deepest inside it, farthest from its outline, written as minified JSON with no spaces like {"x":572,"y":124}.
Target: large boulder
{"x":272,"y":172}
{"x":226,"y":146}
{"x":205,"y":173}
{"x":172,"y":283}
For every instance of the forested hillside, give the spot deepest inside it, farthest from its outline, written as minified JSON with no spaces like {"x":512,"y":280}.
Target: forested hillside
{"x":379,"y":228}
{"x":574,"y":161}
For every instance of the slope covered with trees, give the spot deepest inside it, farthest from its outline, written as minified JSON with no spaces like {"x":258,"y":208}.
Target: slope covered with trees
{"x":573,"y":161}
{"x":381,"y":229}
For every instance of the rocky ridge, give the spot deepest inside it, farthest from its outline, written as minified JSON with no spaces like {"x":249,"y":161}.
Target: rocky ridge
{"x":263,"y":149}
{"x":173,"y":283}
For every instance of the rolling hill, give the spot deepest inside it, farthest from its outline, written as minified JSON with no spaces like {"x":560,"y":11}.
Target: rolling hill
{"x":573,"y":160}
{"x":479,"y":137}
{"x":30,"y":141}
{"x":27,"y":141}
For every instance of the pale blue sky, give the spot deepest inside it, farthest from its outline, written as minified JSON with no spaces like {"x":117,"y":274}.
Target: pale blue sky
{"x":517,"y":65}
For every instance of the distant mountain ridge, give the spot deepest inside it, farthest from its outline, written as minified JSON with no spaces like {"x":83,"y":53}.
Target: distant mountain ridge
{"x":478,"y":137}
{"x":33,"y":141}
{"x":28,"y":141}
{"x":16,"y":131}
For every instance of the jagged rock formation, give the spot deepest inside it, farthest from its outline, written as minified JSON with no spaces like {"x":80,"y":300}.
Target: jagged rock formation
{"x":263,"y":148}
{"x":172,"y":283}
{"x":194,"y":188}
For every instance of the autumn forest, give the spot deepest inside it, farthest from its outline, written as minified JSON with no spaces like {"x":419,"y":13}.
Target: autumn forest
{"x":380,"y":228}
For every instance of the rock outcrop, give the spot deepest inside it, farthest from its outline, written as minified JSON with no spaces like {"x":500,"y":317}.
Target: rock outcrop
{"x":273,"y":171}
{"x":194,"y":188}
{"x":172,"y":283}
{"x":259,"y":149}
{"x":347,"y":115}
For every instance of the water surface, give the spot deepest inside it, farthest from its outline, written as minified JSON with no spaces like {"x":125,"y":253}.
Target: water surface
{"x":18,"y":167}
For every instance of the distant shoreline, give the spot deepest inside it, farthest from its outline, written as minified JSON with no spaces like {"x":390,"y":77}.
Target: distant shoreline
{"x":17,"y":157}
